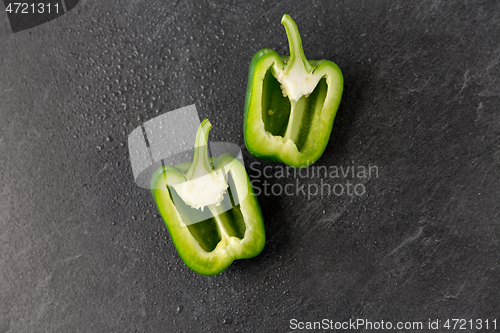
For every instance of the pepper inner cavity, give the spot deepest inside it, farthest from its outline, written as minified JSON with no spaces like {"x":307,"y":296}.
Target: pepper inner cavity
{"x":275,"y":107}
{"x":211,"y":226}
{"x":289,"y":120}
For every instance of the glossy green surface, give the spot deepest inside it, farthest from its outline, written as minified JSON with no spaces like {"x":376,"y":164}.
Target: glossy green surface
{"x":203,"y":246}
{"x":268,"y":113}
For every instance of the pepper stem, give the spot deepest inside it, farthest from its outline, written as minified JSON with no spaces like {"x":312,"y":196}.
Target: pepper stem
{"x":295,"y":44}
{"x":201,"y":165}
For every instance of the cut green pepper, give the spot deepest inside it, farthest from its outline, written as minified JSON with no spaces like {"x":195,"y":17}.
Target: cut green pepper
{"x":208,"y":240}
{"x":290,"y":103}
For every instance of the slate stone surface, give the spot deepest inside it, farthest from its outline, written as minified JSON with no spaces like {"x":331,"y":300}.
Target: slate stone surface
{"x":83,"y":249}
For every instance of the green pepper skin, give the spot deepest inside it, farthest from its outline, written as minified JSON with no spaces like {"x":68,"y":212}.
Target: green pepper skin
{"x":228,"y":248}
{"x":264,"y":133}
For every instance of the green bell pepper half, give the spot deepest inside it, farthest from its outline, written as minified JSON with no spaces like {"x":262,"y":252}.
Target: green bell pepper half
{"x":290,"y":103}
{"x":232,"y":228}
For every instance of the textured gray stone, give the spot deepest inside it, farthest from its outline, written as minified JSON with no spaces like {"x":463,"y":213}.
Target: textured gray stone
{"x":82,"y":248}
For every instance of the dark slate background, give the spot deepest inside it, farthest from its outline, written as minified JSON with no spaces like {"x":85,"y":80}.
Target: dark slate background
{"x":83,"y":249}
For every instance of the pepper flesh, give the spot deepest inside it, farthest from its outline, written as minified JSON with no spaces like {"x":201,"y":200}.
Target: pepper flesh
{"x":232,"y":228}
{"x":290,"y":103}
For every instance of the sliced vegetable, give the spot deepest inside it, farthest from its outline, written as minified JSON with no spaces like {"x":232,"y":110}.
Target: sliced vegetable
{"x":290,"y":103}
{"x":208,"y":240}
